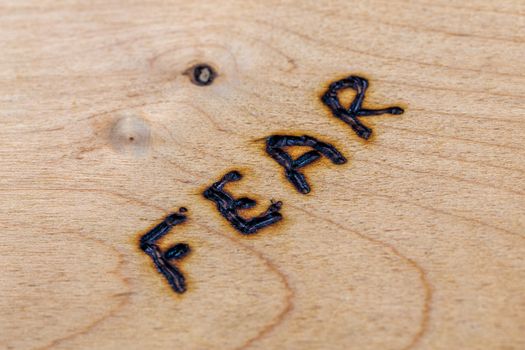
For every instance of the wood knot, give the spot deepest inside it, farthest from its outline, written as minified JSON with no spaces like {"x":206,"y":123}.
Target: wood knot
{"x":130,"y":135}
{"x":201,"y":74}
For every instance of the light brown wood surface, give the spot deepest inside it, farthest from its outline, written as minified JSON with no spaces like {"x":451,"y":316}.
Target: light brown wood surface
{"x":416,"y":243}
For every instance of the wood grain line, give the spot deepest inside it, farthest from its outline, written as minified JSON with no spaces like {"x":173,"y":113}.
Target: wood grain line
{"x":426,"y":310}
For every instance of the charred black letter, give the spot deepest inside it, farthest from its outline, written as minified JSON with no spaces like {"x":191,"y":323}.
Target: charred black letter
{"x":161,"y":260}
{"x":229,"y":206}
{"x":276,"y":143}
{"x":350,"y":115}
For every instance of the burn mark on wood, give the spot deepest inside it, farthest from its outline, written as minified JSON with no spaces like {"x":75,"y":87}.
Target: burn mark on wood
{"x":162,"y":260}
{"x":276,"y":143}
{"x":350,"y":115}
{"x":229,"y":206}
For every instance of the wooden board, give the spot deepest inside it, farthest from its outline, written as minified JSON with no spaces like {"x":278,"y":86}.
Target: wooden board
{"x":416,"y":243}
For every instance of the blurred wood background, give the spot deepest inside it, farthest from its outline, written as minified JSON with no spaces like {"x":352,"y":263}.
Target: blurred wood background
{"x":416,"y":243}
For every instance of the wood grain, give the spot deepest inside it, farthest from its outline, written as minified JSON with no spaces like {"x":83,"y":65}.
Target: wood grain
{"x":416,"y":243}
